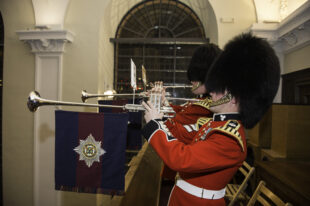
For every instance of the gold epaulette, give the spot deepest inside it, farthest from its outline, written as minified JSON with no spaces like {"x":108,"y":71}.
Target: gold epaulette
{"x":231,"y":128}
{"x":201,"y":121}
{"x":205,"y":103}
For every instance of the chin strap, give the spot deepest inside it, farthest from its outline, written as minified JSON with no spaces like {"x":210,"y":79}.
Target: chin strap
{"x":224,"y":99}
{"x":207,"y":102}
{"x":196,"y":86}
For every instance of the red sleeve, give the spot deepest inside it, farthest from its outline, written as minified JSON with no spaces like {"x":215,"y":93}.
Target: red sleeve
{"x":182,"y":126}
{"x":176,"y":108}
{"x":183,"y":133}
{"x":190,"y":114}
{"x":218,"y":151}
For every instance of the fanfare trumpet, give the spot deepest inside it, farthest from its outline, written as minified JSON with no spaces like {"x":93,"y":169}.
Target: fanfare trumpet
{"x":177,"y":86}
{"x":156,"y":86}
{"x":152,"y":85}
{"x":35,"y":101}
{"x":86,"y":95}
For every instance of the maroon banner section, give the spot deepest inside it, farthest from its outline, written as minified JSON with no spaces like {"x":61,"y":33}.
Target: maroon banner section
{"x":119,"y":102}
{"x":90,"y":124}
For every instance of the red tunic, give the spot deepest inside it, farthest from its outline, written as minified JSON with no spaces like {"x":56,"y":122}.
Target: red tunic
{"x":183,"y":127}
{"x":186,"y":115}
{"x":209,"y":161}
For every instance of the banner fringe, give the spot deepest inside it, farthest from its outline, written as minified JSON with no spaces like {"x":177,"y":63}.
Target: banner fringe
{"x":90,"y":190}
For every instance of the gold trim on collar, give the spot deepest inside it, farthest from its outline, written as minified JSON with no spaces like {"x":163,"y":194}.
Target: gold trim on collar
{"x":231,"y":128}
{"x":202,"y":121}
{"x":205,"y":103}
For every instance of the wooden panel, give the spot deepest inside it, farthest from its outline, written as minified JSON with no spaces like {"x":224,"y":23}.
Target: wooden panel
{"x":261,"y":133}
{"x":290,"y":131}
{"x":279,"y":129}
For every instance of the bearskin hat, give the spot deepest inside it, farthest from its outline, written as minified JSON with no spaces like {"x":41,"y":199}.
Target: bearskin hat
{"x":249,"y":69}
{"x":201,"y":61}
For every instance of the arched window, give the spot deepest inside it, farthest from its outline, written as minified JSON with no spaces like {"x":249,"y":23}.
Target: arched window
{"x":161,"y":35}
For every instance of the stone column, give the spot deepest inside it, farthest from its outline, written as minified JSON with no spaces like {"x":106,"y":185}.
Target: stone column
{"x":48,"y":48}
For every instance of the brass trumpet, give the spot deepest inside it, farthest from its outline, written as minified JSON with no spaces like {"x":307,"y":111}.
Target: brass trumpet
{"x":178,"y":86}
{"x":152,"y":85}
{"x":85,"y":96}
{"x":35,"y":101}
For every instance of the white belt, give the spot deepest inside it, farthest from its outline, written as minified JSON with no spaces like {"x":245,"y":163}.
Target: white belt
{"x":200,"y":192}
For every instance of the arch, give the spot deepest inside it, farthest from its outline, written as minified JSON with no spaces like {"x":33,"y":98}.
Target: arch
{"x":161,"y":35}
{"x":158,"y":15}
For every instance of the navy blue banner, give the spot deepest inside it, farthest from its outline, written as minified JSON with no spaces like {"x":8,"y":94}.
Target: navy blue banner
{"x":90,"y":152}
{"x":134,"y":138}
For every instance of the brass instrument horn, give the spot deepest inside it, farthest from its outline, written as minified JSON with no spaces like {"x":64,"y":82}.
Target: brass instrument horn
{"x":86,"y":95}
{"x":35,"y":101}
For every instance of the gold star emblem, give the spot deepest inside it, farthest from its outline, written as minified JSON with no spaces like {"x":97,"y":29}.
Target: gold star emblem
{"x":89,"y":150}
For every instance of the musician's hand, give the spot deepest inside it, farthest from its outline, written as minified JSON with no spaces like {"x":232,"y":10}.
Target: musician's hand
{"x":164,"y":101}
{"x":150,"y":91}
{"x":151,"y":112}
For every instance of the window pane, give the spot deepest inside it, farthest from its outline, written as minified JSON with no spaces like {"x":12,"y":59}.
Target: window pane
{"x":165,"y":61}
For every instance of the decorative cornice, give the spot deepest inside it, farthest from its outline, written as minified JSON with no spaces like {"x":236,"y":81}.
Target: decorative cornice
{"x":291,"y":34}
{"x":46,"y":41}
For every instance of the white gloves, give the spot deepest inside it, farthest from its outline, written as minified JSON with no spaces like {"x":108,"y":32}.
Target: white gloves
{"x":151,"y":112}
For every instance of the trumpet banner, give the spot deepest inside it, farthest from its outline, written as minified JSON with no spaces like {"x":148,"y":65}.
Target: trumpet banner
{"x":134,"y":135}
{"x":90,"y":152}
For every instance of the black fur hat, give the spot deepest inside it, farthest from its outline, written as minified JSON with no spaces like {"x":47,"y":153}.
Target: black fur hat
{"x":201,"y":61}
{"x":249,"y":69}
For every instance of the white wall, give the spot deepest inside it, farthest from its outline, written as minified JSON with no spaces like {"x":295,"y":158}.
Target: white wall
{"x":206,"y":14}
{"x":17,"y":121}
{"x":222,"y":19}
{"x":297,"y":60}
{"x":80,"y":68}
{"x":233,"y":17}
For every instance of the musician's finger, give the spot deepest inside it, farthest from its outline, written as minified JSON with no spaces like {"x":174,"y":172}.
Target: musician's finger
{"x":161,"y":115}
{"x":146,"y":106}
{"x":150,"y":105}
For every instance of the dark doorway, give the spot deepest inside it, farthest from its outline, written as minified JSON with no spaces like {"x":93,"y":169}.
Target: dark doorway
{"x":296,"y":87}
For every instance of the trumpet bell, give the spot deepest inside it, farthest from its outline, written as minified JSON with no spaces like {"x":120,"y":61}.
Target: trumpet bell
{"x":84,"y":96}
{"x":33,"y":102}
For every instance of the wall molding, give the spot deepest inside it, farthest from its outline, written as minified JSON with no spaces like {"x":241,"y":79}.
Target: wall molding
{"x":289,"y":35}
{"x":46,"y":41}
